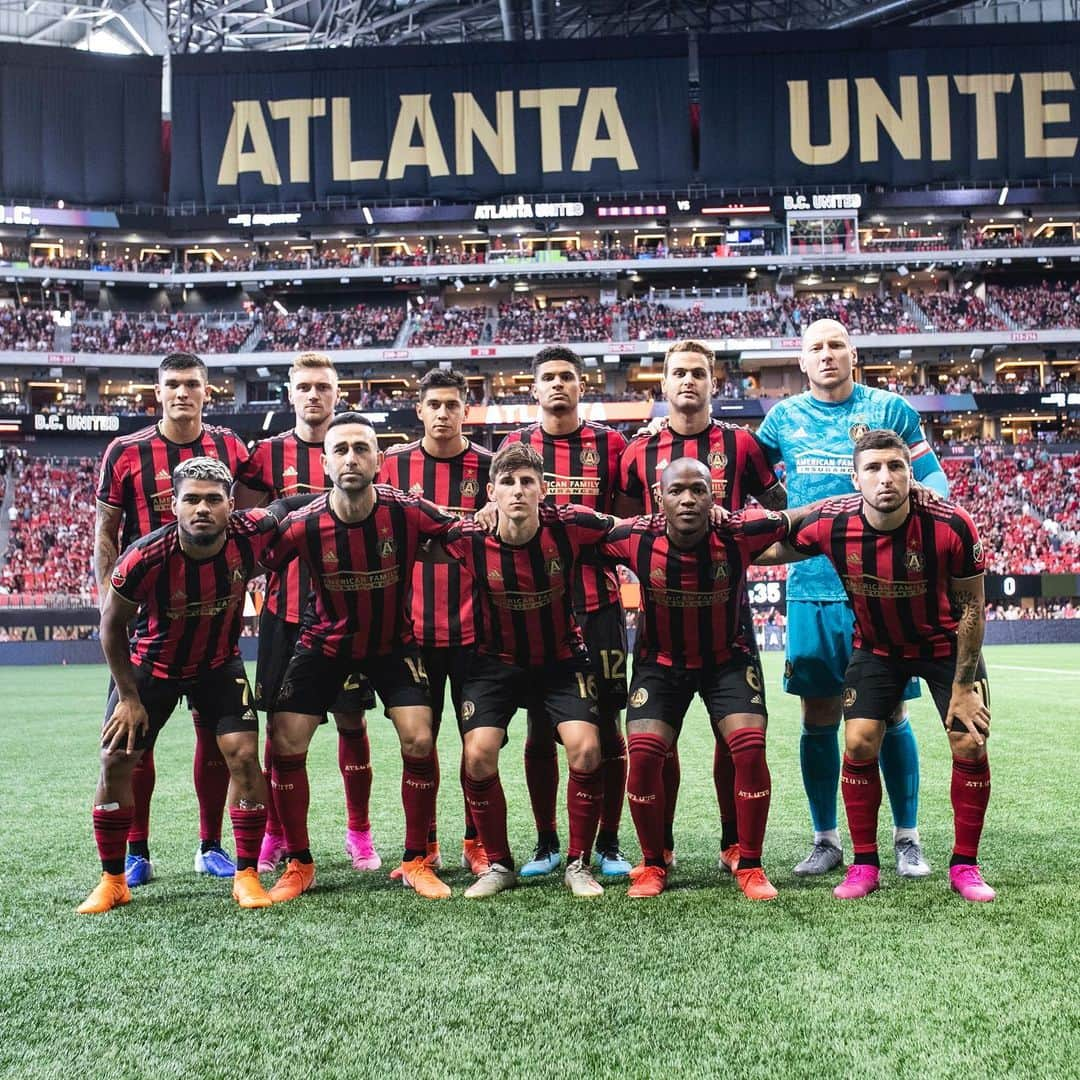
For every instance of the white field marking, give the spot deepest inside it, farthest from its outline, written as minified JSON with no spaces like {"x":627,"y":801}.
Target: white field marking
{"x":1038,"y":670}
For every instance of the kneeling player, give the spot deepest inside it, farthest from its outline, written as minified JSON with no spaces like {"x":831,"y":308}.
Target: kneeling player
{"x":187,"y":582}
{"x":914,"y":576}
{"x":531,"y":656}
{"x":691,"y":639}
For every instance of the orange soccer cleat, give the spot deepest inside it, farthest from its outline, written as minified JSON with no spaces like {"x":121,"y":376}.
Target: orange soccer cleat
{"x":755,"y":885}
{"x":728,"y":860}
{"x":296,"y":880}
{"x":111,"y":891}
{"x":669,"y":864}
{"x":417,"y":874}
{"x":651,"y":881}
{"x":474,"y":857}
{"x":248,"y":890}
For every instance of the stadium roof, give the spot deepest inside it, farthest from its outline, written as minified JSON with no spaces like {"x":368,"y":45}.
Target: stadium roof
{"x":181,"y":26}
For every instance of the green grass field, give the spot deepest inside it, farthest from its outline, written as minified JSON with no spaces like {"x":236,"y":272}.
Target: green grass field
{"x":362,"y":978}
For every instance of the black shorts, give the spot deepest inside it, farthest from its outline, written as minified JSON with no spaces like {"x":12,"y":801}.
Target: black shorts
{"x":313,"y":682}
{"x":221,"y":696}
{"x":495,"y":690}
{"x":446,"y":664}
{"x":605,"y":638}
{"x":664,"y":693}
{"x":277,"y":643}
{"x":874,"y":685}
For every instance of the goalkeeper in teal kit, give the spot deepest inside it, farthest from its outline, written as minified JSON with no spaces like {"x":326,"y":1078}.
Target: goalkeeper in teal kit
{"x":814,"y":434}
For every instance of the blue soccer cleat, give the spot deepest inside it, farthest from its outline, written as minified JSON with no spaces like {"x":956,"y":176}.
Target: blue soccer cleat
{"x":545,"y":860}
{"x":214,"y":862}
{"x":612,"y":863}
{"x":138,"y":870}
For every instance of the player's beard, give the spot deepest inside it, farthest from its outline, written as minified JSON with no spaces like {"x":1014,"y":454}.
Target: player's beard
{"x":200,"y":539}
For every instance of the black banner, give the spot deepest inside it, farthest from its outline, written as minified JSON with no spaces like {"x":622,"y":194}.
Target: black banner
{"x":906,"y":107}
{"x":79,"y":126}
{"x":451,"y":121}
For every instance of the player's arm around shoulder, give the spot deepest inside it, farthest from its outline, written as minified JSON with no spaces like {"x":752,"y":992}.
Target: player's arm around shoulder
{"x":800,"y":540}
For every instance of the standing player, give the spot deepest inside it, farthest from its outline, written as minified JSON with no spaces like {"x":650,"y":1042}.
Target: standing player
{"x":531,"y":656}
{"x":448,"y":470}
{"x":581,"y":466}
{"x":739,"y":469}
{"x":187,"y":582}
{"x":813,"y":434}
{"x":692,"y":638}
{"x":135,"y":497}
{"x":286,"y":465}
{"x":359,"y":542}
{"x":914,"y":576}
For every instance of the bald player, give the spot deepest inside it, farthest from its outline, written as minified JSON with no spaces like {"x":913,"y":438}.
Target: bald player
{"x":814,"y":434}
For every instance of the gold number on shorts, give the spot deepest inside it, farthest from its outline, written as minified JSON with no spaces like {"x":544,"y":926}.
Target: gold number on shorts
{"x":613,"y":662}
{"x":416,"y":667}
{"x":753,"y":677}
{"x":245,"y":692}
{"x":586,"y":685}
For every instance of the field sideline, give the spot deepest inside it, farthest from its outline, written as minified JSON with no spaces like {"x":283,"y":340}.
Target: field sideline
{"x":361,"y":978}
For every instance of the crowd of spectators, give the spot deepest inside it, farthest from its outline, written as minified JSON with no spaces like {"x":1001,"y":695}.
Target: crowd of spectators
{"x":152,"y":334}
{"x":51,"y":528}
{"x":1041,"y":609}
{"x":869,"y":314}
{"x":1050,"y":305}
{"x":26,"y":330}
{"x":358,"y":327}
{"x":449,"y":326}
{"x":647,"y":320}
{"x":1026,"y":504}
{"x":958,"y":311}
{"x":523,"y":321}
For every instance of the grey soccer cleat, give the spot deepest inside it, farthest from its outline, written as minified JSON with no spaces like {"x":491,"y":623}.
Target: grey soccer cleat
{"x":910,"y":861}
{"x":823,"y":857}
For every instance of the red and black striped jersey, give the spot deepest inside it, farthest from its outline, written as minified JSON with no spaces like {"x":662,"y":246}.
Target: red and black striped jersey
{"x":190,"y":609}
{"x":136,"y":474}
{"x":738,"y":463}
{"x":898,"y":581}
{"x":286,"y":465}
{"x":581,"y":468}
{"x":360,"y":571}
{"x":441,"y":599}
{"x":692,"y":599}
{"x":524,"y":591}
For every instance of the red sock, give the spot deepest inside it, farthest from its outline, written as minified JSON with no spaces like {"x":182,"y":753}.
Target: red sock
{"x":645,"y":793}
{"x":273,"y":822}
{"x":613,"y":779}
{"x":488,"y":804}
{"x":584,"y":796}
{"x":970,"y":795}
{"x":471,"y":831}
{"x":354,"y":761}
{"x":290,"y":780}
{"x":211,"y":781}
{"x":723,"y":774}
{"x":142,"y":783}
{"x":433,"y":825}
{"x":419,"y":790}
{"x":111,"y":831}
{"x":672,"y":780}
{"x":542,"y":780}
{"x":753,"y":789}
{"x":860,"y":782}
{"x":248,"y":827}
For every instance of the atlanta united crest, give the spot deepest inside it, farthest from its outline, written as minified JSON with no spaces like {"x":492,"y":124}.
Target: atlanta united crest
{"x":639,"y":697}
{"x":718,"y":460}
{"x":590,"y":458}
{"x":857,"y":431}
{"x":470,"y":487}
{"x":914,"y":561}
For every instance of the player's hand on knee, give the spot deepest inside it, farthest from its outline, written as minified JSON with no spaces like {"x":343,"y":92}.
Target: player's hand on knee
{"x":122,"y":729}
{"x":967,"y":708}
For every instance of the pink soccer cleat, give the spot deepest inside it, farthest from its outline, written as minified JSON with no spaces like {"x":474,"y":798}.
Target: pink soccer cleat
{"x":859,"y":881}
{"x":271,"y":853}
{"x":967,"y":881}
{"x":360,"y":847}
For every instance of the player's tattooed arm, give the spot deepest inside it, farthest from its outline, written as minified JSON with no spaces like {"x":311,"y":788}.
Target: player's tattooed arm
{"x":775,"y":498}
{"x":106,"y":546}
{"x":967,"y":704}
{"x":129,"y":717}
